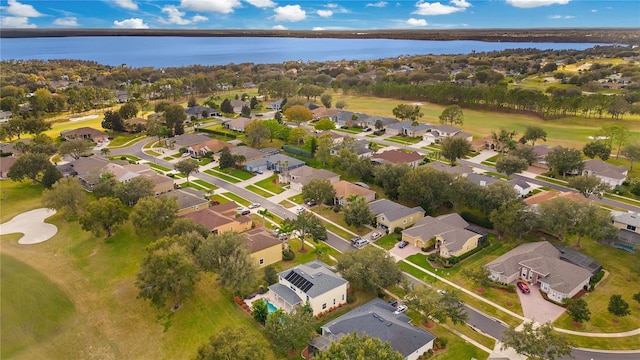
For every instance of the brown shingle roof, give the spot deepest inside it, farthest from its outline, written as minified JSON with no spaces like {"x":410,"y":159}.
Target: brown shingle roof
{"x":260,"y":239}
{"x":344,"y":188}
{"x":398,"y":156}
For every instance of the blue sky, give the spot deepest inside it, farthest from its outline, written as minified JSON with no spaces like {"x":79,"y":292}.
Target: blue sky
{"x":318,"y":15}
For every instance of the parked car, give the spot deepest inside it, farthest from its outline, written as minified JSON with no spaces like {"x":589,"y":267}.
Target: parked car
{"x":375,"y":235}
{"x":246,"y":212}
{"x":215,"y":202}
{"x":254,"y":205}
{"x":400,"y":309}
{"x":402,"y":244}
{"x":361,"y":243}
{"x":311,"y":203}
{"x":299,"y":210}
{"x":393,"y":302}
{"x":523,"y":287}
{"x":354,"y":239}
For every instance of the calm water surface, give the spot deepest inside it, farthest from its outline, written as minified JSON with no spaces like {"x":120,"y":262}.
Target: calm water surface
{"x":139,"y":51}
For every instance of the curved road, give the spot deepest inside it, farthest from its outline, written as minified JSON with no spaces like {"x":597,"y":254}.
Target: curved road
{"x":477,"y":319}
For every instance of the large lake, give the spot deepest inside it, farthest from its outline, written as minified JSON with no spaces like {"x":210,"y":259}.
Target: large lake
{"x":139,"y":51}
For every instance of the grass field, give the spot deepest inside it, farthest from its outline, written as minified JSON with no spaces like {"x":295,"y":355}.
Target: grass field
{"x":388,"y":241}
{"x":268,"y":184}
{"x":573,"y":132}
{"x":222,"y":176}
{"x":204,"y":184}
{"x":98,"y":277}
{"x":236,"y":198}
{"x":259,"y":191}
{"x":34,"y":309}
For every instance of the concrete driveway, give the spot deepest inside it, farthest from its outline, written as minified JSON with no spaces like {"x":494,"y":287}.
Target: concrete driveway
{"x":408,"y":250}
{"x":536,"y":308}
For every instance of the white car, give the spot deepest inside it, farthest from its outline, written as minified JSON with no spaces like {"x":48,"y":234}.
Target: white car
{"x":254,"y":205}
{"x":375,"y":235}
{"x":299,"y":210}
{"x":400,"y":309}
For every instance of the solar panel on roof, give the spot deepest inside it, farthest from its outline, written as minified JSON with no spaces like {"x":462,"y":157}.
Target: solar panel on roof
{"x":298,"y":281}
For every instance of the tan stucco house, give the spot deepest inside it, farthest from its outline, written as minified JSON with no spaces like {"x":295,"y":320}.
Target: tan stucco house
{"x":189,"y":200}
{"x":449,"y":232}
{"x":301,"y":176}
{"x":264,"y":247}
{"x":221,"y":218}
{"x":344,"y":189}
{"x":390,"y":215}
{"x":540,"y":264}
{"x":314,"y":282}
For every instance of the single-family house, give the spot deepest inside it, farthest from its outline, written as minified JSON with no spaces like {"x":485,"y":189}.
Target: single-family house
{"x":275,"y":105}
{"x":221,"y":218}
{"x":187,"y":140}
{"x":321,"y":113}
{"x":628,"y":236}
{"x":377,"y":319}
{"x":301,"y":176}
{"x":5,"y":116}
{"x":189,"y":200}
{"x":541,"y":152}
{"x":126,"y":172}
{"x":238,"y":124}
{"x":88,"y":133}
{"x":346,"y":118}
{"x":448,"y":233}
{"x":210,"y":145}
{"x":5,"y":164}
{"x":238,"y":105}
{"x":440,"y":132}
{"x":390,"y":215}
{"x":276,"y":162}
{"x":200,"y":112}
{"x":156,"y":116}
{"x":345,"y":189}
{"x":408,"y":128}
{"x":264,"y":248}
{"x":313,"y":282}
{"x":481,"y":179}
{"x":611,"y":175}
{"x":413,"y":159}
{"x":135,"y":125}
{"x":456,"y":171}
{"x":536,"y":199}
{"x":249,"y":153}
{"x":522,"y":187}
{"x":87,"y":169}
{"x":540,"y":264}
{"x":358,"y":146}
{"x":384,"y":121}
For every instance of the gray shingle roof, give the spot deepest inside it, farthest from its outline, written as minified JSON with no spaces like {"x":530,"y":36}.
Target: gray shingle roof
{"x":392,"y":210}
{"x":319,"y":275}
{"x":376,"y":319}
{"x":409,"y":125}
{"x":628,"y":219}
{"x":287,"y":294}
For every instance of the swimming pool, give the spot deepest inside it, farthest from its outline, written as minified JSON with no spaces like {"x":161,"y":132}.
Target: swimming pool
{"x":271,"y":307}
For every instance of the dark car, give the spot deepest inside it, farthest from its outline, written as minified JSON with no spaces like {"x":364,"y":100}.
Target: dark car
{"x":393,"y":302}
{"x":402,"y":244}
{"x":523,"y":287}
{"x":246,"y":212}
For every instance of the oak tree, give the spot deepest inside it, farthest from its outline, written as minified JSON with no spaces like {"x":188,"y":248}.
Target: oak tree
{"x":369,"y":268}
{"x":510,"y":165}
{"x":353,"y":346}
{"x":228,"y":343}
{"x":103,"y":215}
{"x":454,"y":148}
{"x":452,"y":115}
{"x":66,"y":195}
{"x":538,"y":343}
{"x":154,"y":214}
{"x":533,"y":133}
{"x":319,"y":190}
{"x":357,"y":212}
{"x":187,"y":166}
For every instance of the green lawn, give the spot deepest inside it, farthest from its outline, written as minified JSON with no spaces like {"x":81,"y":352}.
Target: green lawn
{"x":259,"y":191}
{"x":33,"y":310}
{"x":219,"y":198}
{"x":152,"y":153}
{"x":338,"y":218}
{"x":123,"y":138}
{"x":298,"y":199}
{"x":388,"y":241}
{"x":125,"y":157}
{"x":268,"y":184}
{"x":404,"y":139}
{"x":350,"y":130}
{"x":236,"y":198}
{"x":18,"y":197}
{"x":205,"y":184}
{"x":496,"y":174}
{"x":338,"y":231}
{"x":222,"y":176}
{"x":457,"y":348}
{"x":158,"y":167}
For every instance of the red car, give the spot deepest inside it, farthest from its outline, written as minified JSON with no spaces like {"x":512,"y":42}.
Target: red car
{"x":523,"y":287}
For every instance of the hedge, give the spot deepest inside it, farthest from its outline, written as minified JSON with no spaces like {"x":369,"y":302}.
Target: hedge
{"x":297,"y":151}
{"x":216,"y":132}
{"x":477,"y":219}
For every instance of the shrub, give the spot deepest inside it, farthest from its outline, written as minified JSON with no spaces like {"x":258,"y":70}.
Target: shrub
{"x":337,"y":208}
{"x":123,"y":158}
{"x":182,"y":150}
{"x":477,"y":219}
{"x":398,"y":230}
{"x":287,"y":255}
{"x":432,"y":257}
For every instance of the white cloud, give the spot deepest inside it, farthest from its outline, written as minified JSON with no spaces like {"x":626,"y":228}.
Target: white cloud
{"x":437,"y":8}
{"x":556,"y":17}
{"x":15,"y":22}
{"x":66,"y":21}
{"x":332,"y":6}
{"x":461,"y":3}
{"x":127,"y":4}
{"x":379,"y":4}
{"x":318,"y":28}
{"x":279,"y":27}
{"x":21,"y":10}
{"x":175,"y":16}
{"x":219,"y":6}
{"x":417,"y":22}
{"x":290,"y":13}
{"x":535,"y":3}
{"x":594,"y":10}
{"x":325,"y":13}
{"x":261,"y":3}
{"x":132,"y":23}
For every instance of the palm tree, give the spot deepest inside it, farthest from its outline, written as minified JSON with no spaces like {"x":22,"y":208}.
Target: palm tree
{"x":105,"y":152}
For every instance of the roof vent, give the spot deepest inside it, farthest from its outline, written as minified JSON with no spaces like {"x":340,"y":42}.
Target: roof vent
{"x":389,"y":324}
{"x":381,"y":319}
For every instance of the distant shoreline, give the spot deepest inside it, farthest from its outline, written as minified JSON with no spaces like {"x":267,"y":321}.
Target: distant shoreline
{"x":568,"y":35}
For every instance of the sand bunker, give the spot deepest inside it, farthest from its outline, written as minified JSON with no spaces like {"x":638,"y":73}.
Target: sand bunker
{"x":84,"y":117}
{"x":32,"y":225}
